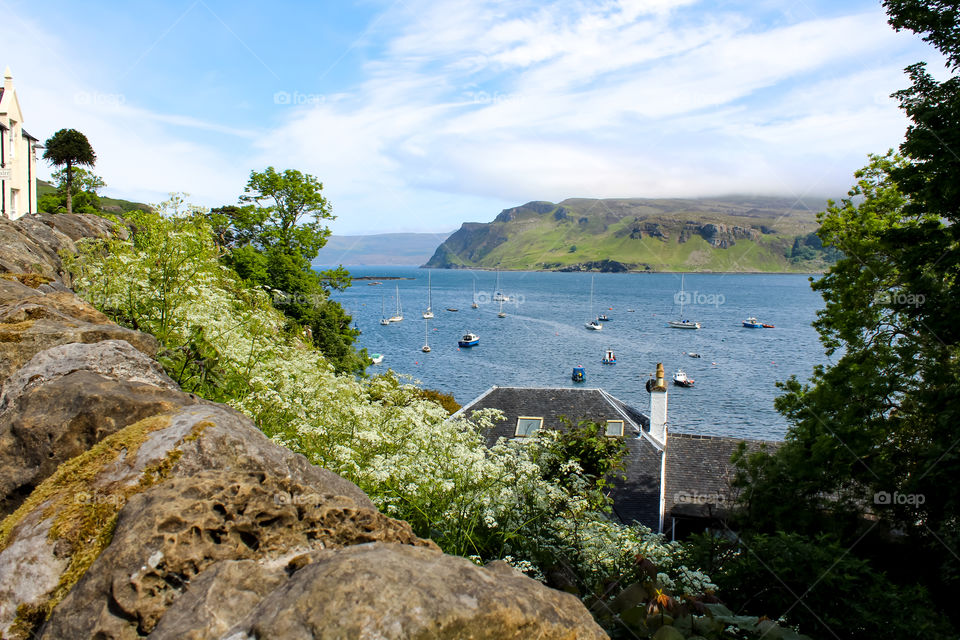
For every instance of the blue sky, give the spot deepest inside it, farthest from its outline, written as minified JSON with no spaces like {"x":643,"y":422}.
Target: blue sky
{"x":418,"y":116}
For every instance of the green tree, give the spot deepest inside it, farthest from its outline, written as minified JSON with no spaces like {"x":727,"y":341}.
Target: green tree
{"x":271,"y":238}
{"x":69,"y":148}
{"x":873,"y":450}
{"x":83,"y":194}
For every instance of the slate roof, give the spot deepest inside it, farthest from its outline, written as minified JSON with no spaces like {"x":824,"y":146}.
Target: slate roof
{"x":26,"y":135}
{"x":699,"y":471}
{"x":637,"y":499}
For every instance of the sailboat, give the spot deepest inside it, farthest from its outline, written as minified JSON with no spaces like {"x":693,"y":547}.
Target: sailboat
{"x":475,"y":305}
{"x":383,"y":314}
{"x":595,"y":323}
{"x":681,"y":323}
{"x":497,"y":295}
{"x":426,"y":343}
{"x":399,"y":316}
{"x":429,"y":312}
{"x":501,"y":314}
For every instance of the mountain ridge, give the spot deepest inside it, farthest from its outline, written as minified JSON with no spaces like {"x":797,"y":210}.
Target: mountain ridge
{"x":733,"y":233}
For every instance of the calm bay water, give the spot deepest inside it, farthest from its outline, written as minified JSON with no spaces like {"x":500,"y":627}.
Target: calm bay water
{"x":543,"y":337}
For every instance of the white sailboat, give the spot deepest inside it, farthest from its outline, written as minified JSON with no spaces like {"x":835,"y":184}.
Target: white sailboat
{"x":399,"y":316}
{"x":429,"y":312}
{"x":501,"y":314}
{"x":497,"y":295}
{"x":475,"y":305}
{"x":681,"y":323}
{"x":426,"y":343}
{"x":594,"y":324}
{"x":383,"y":314}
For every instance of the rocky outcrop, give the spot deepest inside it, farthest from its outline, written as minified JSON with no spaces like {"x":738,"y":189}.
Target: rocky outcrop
{"x":136,"y":509}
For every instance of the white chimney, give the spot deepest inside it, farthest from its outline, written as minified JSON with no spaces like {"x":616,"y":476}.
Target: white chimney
{"x":658,"y":406}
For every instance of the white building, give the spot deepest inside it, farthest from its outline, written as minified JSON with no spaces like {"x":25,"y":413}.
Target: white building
{"x":18,"y":157}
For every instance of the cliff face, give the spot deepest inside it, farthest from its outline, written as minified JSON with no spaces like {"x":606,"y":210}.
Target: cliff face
{"x":135,"y":509}
{"x":638,"y":235}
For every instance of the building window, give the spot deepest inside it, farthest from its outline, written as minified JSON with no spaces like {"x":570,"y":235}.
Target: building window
{"x":614,"y":428}
{"x":528,"y":426}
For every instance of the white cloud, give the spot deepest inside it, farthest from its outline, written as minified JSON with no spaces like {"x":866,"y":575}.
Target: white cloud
{"x":464,"y":108}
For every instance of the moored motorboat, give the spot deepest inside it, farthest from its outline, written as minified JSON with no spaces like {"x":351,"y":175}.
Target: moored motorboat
{"x":609,"y":357}
{"x":578,"y":374}
{"x":752,"y":323}
{"x":376,"y":358}
{"x":603,"y":317}
{"x":693,"y":354}
{"x":452,"y":309}
{"x":469,"y":340}
{"x":681,"y":380}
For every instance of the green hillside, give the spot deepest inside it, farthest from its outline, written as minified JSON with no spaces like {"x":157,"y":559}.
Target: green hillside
{"x":756,"y":234}
{"x":107,"y":205}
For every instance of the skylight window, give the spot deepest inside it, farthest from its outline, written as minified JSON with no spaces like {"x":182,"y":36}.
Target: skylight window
{"x":527,"y":426}
{"x":614,"y":428}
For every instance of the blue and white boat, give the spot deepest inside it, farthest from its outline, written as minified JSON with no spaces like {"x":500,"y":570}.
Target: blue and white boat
{"x":752,"y":323}
{"x":609,"y":357}
{"x":578,"y":375}
{"x":469,"y":340}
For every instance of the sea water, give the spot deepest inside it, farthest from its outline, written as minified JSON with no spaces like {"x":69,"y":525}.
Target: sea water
{"x":543,"y":337}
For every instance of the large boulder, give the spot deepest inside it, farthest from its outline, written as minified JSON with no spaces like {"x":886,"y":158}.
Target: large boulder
{"x":31,"y":322}
{"x":78,"y":505}
{"x":68,"y":398}
{"x":374,"y":590}
{"x":169,"y":534}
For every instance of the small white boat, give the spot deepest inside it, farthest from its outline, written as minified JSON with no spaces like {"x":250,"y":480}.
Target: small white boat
{"x":474,"y":304}
{"x":469,"y":340}
{"x":681,"y":380}
{"x":501,"y":314}
{"x":377,"y":358}
{"x":383,"y":314}
{"x":593,"y":325}
{"x":399,"y":316}
{"x":609,"y":357}
{"x":426,"y":342}
{"x":681,"y":323}
{"x":429,"y":312}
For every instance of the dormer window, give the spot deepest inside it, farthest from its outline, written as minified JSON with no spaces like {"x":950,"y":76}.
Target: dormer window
{"x":527,"y":426}
{"x":614,"y":428}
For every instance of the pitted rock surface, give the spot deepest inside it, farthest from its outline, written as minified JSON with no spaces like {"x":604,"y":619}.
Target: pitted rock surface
{"x":169,"y":534}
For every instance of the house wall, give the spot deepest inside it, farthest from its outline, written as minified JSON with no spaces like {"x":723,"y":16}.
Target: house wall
{"x":18,"y":161}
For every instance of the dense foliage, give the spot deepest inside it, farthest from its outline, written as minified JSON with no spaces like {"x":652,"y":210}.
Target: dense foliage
{"x":271,"y":239}
{"x":870,"y":461}
{"x":84,"y":192}
{"x":68,"y":148}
